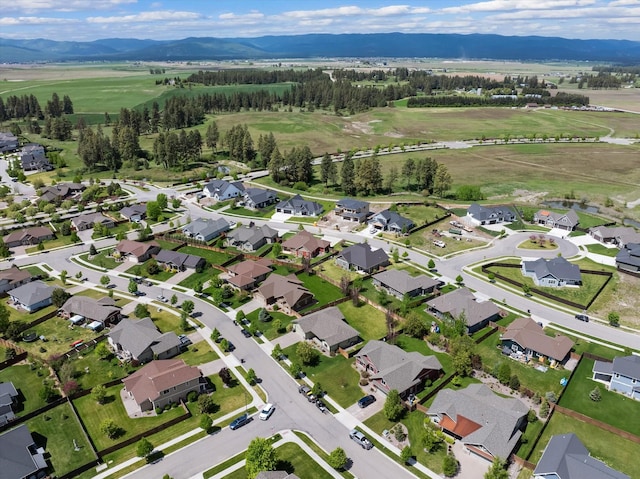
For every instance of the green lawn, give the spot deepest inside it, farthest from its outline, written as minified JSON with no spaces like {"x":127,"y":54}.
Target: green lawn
{"x":619,"y":453}
{"x":212,"y":257}
{"x":59,"y":337}
{"x":528,"y":244}
{"x":140,"y":270}
{"x":588,"y":220}
{"x":23,"y":315}
{"x":91,"y":370}
{"x":28,"y":383}
{"x":261,"y":213}
{"x":102,"y":259}
{"x":208,"y":274}
{"x":421,"y":214}
{"x":322,"y":290}
{"x":164,"y":320}
{"x":576,"y":397}
{"x":198,"y":353}
{"x":369,"y":321}
{"x":56,"y":431}
{"x":267,"y":328}
{"x":602,"y":249}
{"x":333,"y":271}
{"x":57,"y":242}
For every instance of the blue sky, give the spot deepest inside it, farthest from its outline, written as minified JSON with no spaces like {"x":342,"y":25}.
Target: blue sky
{"x":161,"y":20}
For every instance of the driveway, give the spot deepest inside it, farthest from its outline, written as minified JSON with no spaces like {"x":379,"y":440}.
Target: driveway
{"x":362,"y":414}
{"x":178,"y":277}
{"x":471,"y":466}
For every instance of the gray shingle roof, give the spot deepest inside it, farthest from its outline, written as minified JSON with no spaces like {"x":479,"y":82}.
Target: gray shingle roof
{"x":403,"y":282}
{"x":463,"y":301}
{"x":301,"y":206}
{"x":529,"y":334}
{"x":558,"y":267}
{"x":484,"y":213}
{"x":15,"y":458}
{"x":629,"y":255}
{"x":177,"y":258}
{"x":363,"y":256}
{"x":567,"y":458}
{"x":328,"y":325}
{"x":91,"y":219}
{"x":251,"y":234}
{"x":259,"y":195}
{"x":628,"y":366}
{"x":96,"y":310}
{"x":32,"y":293}
{"x":221,"y":186}
{"x":129,"y":211}
{"x":391,"y":218}
{"x":206,"y":227}
{"x":351,"y":204}
{"x":137,"y":336}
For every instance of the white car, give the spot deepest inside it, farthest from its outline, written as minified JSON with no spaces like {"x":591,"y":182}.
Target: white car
{"x":266,"y":412}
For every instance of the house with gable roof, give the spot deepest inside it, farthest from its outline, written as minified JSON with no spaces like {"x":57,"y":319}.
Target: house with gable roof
{"x":13,"y":277}
{"x":251,"y":238}
{"x":61,"y":191}
{"x":388,"y":220}
{"x":88,"y":221}
{"x":32,"y":296}
{"x":390,"y":367}
{"x":619,"y":236}
{"x":398,"y":283}
{"x":361,"y":257}
{"x":255,"y":198}
{"x":177,"y":261}
{"x":329,"y":327}
{"x":463,"y":303}
{"x":20,"y":458}
{"x":103,"y":310}
{"x":525,"y":336}
{"x":28,"y":236}
{"x":352,"y":210}
{"x":32,"y":157}
{"x":8,"y":398}
{"x":288,"y":292}
{"x":222,"y":190}
{"x":8,"y":141}
{"x":554,"y":273}
{"x":490,"y":215}
{"x":298,"y":206}
{"x":306,"y":245}
{"x":622,"y":375}
{"x":564,"y":221}
{"x":488,"y":425}
{"x":628,"y":259}
{"x":247,"y":274}
{"x":134,"y":213}
{"x":141,"y":341}
{"x":565,"y":457}
{"x":204,"y":229}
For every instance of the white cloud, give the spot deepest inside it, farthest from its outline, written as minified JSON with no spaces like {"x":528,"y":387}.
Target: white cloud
{"x":352,"y":10}
{"x":35,"y":21}
{"x":623,"y":3}
{"x":62,"y":5}
{"x":145,"y":17}
{"x":253,"y":15}
{"x":510,"y":5}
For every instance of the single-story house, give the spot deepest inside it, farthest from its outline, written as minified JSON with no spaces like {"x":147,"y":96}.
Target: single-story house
{"x":352,"y":210}
{"x":141,"y":341}
{"x":32,"y":296}
{"x":88,"y":221}
{"x":622,"y":375}
{"x":305,"y":244}
{"x":134,"y":213}
{"x":204,"y":229}
{"x":251,"y":238}
{"x":564,"y":221}
{"x":361,"y":257}
{"x":8,"y":397}
{"x":565,"y":457}
{"x":20,"y":458}
{"x":553,"y":273}
{"x":287,"y":292}
{"x":388,"y":220}
{"x":527,"y":337}
{"x":221,"y":190}
{"x":488,"y":425}
{"x":398,"y":283}
{"x":61,"y":191}
{"x":28,"y":236}
{"x":628,"y":259}
{"x":33,"y":158}
{"x":248,"y":273}
{"x":329,"y":327}
{"x":175,"y":260}
{"x":137,"y":251}
{"x":619,"y":236}
{"x":297,"y":206}
{"x":103,"y":310}
{"x":13,"y":277}
{"x":162,"y":382}
{"x":393,"y":368}
{"x":254,"y":198}
{"x":490,"y":215}
{"x":8,"y":141}
{"x":463,"y":303}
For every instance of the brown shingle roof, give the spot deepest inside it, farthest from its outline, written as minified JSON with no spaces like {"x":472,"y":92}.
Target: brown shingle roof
{"x":529,"y":334}
{"x":135,"y":248}
{"x":288,"y":287}
{"x":305,"y":241}
{"x":157,"y":376}
{"x":35,"y":231}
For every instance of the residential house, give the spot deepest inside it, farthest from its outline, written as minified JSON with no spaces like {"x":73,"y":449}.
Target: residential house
{"x":554,"y":273}
{"x":524,"y":337}
{"x":162,"y":382}
{"x":28,"y":236}
{"x":352,"y":210}
{"x":287,"y":292}
{"x":361,"y":257}
{"x":564,"y":221}
{"x":251,"y":238}
{"x":222,"y":190}
{"x":88,"y":221}
{"x":628,"y":259}
{"x":247,"y":274}
{"x":490,"y":215}
{"x":204,"y":229}
{"x":488,"y":425}
{"x":329,"y":328}
{"x":13,"y":277}
{"x":61,"y":191}
{"x":32,"y":157}
{"x":565,"y":457}
{"x":398,"y":283}
{"x":8,"y":397}
{"x":306,"y":245}
{"x":297,"y":206}
{"x":20,"y":458}
{"x":8,"y":141}
{"x":255,"y":198}
{"x":622,"y":375}
{"x":461,"y":303}
{"x":32,"y":296}
{"x":388,"y":220}
{"x":177,"y":261}
{"x":142,"y":342}
{"x":393,"y":368}
{"x":134,"y":213}
{"x":619,"y":236}
{"x":103,"y":310}
{"x":136,"y":251}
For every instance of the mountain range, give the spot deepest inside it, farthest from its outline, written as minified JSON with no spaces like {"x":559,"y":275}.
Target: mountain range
{"x":374,"y":45}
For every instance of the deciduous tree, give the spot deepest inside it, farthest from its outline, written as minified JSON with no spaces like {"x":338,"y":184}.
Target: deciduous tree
{"x":260,"y":456}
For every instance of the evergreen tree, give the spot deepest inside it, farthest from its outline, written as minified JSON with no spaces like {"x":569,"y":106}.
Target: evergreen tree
{"x":347,"y":174}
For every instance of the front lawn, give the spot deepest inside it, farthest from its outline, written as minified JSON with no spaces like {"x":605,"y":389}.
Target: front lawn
{"x":164,"y":320}
{"x":198,"y":353}
{"x":102,"y":259}
{"x":58,"y":242}
{"x":56,"y":431}
{"x":140,"y":270}
{"x":268,"y":329}
{"x":28,"y":383}
{"x":601,"y":249}
{"x":322,"y":290}
{"x":369,"y":321}
{"x":576,"y":397}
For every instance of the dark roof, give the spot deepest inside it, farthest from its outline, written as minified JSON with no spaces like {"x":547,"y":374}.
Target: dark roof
{"x":567,"y":458}
{"x":35,"y":231}
{"x":629,"y":255}
{"x":220,"y":186}
{"x":628,"y":366}
{"x":129,"y":211}
{"x":351,"y":204}
{"x":570,"y":218}
{"x":393,"y":218}
{"x":251,"y":234}
{"x":558,"y":267}
{"x":206,"y":227}
{"x":290,"y":288}
{"x":14,"y":275}
{"x":16,"y":458}
{"x":300,"y":205}
{"x":90,"y":308}
{"x":137,"y":336}
{"x":177,"y":258}
{"x":259,"y":195}
{"x":363,"y":256}
{"x":483,"y":213}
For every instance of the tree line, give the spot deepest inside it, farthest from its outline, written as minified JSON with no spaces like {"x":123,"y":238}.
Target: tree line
{"x":561,"y":99}
{"x":27,"y":107}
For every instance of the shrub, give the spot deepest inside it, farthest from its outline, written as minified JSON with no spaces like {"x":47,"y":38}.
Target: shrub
{"x":595,"y":395}
{"x":192,"y":396}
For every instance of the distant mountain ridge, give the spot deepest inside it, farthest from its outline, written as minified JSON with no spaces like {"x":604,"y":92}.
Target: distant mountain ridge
{"x":382,"y":45}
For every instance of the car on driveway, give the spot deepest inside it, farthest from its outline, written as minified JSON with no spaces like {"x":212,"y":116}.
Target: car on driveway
{"x":184,"y":341}
{"x":267,"y":411}
{"x":361,"y":439}
{"x":366,"y":401}
{"x":239,"y":422}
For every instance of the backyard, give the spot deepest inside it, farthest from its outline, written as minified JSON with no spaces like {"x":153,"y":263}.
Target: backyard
{"x":212,"y":257}
{"x":59,"y":335}
{"x":369,"y":321}
{"x":27,"y":380}
{"x":323,"y":291}
{"x":268,"y":328}
{"x":331,"y":270}
{"x":91,"y":370}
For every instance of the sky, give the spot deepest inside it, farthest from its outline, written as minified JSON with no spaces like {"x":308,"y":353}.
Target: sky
{"x":84,"y":20}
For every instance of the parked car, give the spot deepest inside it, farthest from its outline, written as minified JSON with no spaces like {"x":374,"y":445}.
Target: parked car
{"x":582,"y":317}
{"x":184,"y":340}
{"x":162,"y":298}
{"x":306,"y":392}
{"x":139,"y":293}
{"x":239,"y":422}
{"x":320,"y":405}
{"x":361,"y":439}
{"x":245,"y":333}
{"x":439,"y":243}
{"x":366,"y":401}
{"x":267,"y":411}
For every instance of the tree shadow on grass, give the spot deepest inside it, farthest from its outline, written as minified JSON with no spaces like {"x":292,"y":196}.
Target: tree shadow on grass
{"x":282,"y":465}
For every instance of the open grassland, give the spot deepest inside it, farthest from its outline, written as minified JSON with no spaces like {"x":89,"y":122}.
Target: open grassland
{"x":622,"y":297}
